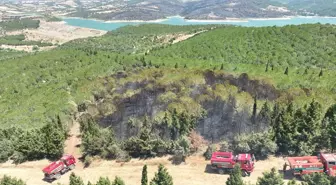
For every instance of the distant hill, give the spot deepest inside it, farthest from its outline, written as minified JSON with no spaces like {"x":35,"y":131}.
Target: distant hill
{"x":199,"y":9}
{"x":312,"y":7}
{"x":219,"y":9}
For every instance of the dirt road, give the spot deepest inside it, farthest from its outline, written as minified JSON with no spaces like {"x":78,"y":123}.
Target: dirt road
{"x":194,"y":172}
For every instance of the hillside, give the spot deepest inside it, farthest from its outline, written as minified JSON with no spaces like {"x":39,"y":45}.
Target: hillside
{"x":221,"y":9}
{"x":312,"y":7}
{"x":69,"y":75}
{"x":177,"y":92}
{"x":202,"y":9}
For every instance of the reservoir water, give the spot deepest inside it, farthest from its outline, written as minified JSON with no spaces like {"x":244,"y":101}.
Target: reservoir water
{"x":108,"y":26}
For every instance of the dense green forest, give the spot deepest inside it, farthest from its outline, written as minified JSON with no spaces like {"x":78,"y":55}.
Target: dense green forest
{"x":297,"y":46}
{"x":8,"y":54}
{"x":18,"y":40}
{"x":52,"y":19}
{"x":136,"y":39}
{"x":19,"y":24}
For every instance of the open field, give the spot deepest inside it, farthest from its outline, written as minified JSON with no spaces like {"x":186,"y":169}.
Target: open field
{"x":57,"y":32}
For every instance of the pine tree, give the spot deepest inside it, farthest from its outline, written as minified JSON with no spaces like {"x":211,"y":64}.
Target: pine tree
{"x":104,"y":181}
{"x":145,"y":146}
{"x":286,"y":71}
{"x":175,"y":125}
{"x":321,"y":73}
{"x":254,"y":111}
{"x":7,"y":180}
{"x":235,"y":177}
{"x":292,"y":182}
{"x":316,"y":179}
{"x":53,"y":140}
{"x":266,"y":70}
{"x":313,"y":117}
{"x":222,"y":67}
{"x":330,"y":117}
{"x":162,"y":177}
{"x":271,"y":177}
{"x":264,"y":115}
{"x":75,"y":180}
{"x":144,"y":178}
{"x":118,"y":181}
{"x":284,"y":131}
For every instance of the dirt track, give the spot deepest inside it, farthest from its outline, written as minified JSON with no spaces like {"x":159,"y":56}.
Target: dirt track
{"x":194,"y":172}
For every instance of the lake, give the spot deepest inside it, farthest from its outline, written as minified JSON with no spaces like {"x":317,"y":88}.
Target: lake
{"x":108,"y":26}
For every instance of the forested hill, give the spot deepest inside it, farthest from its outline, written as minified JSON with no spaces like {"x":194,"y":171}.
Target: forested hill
{"x":310,"y":45}
{"x":312,"y":7}
{"x":58,"y":80}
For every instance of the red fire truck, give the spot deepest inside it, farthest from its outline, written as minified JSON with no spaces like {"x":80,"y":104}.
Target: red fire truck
{"x":224,"y":162}
{"x":325,"y":163}
{"x":55,"y":169}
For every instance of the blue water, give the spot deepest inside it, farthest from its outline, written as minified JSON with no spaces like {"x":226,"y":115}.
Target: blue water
{"x":100,"y":25}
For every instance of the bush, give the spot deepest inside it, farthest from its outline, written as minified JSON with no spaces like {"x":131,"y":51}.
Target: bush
{"x":6,"y":150}
{"x":162,"y":177}
{"x":259,"y":144}
{"x":272,"y":177}
{"x":208,"y":153}
{"x":7,"y":180}
{"x":316,"y":178}
{"x":118,"y":181}
{"x":87,"y":161}
{"x":224,"y":146}
{"x":196,"y":141}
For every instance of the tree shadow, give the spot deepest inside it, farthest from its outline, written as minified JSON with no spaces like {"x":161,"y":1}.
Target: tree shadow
{"x":288,"y":175}
{"x":209,"y":169}
{"x":177,"y":160}
{"x":48,"y":180}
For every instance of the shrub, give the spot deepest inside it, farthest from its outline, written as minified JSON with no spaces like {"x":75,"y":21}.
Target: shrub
{"x":271,"y":177}
{"x":208,"y":153}
{"x":235,"y":177}
{"x":6,"y":149}
{"x":87,"y":161}
{"x":75,"y":180}
{"x":224,"y":146}
{"x":316,"y":178}
{"x":162,"y":177}
{"x":7,"y":180}
{"x":196,"y":141}
{"x":259,"y":144}
{"x":118,"y":181}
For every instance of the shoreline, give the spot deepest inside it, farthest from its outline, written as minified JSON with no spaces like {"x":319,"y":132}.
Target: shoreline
{"x":118,"y":21}
{"x":198,"y":20}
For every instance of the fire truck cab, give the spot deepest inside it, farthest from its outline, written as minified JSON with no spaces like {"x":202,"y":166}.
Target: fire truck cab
{"x":224,"y":162}
{"x":329,"y":163}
